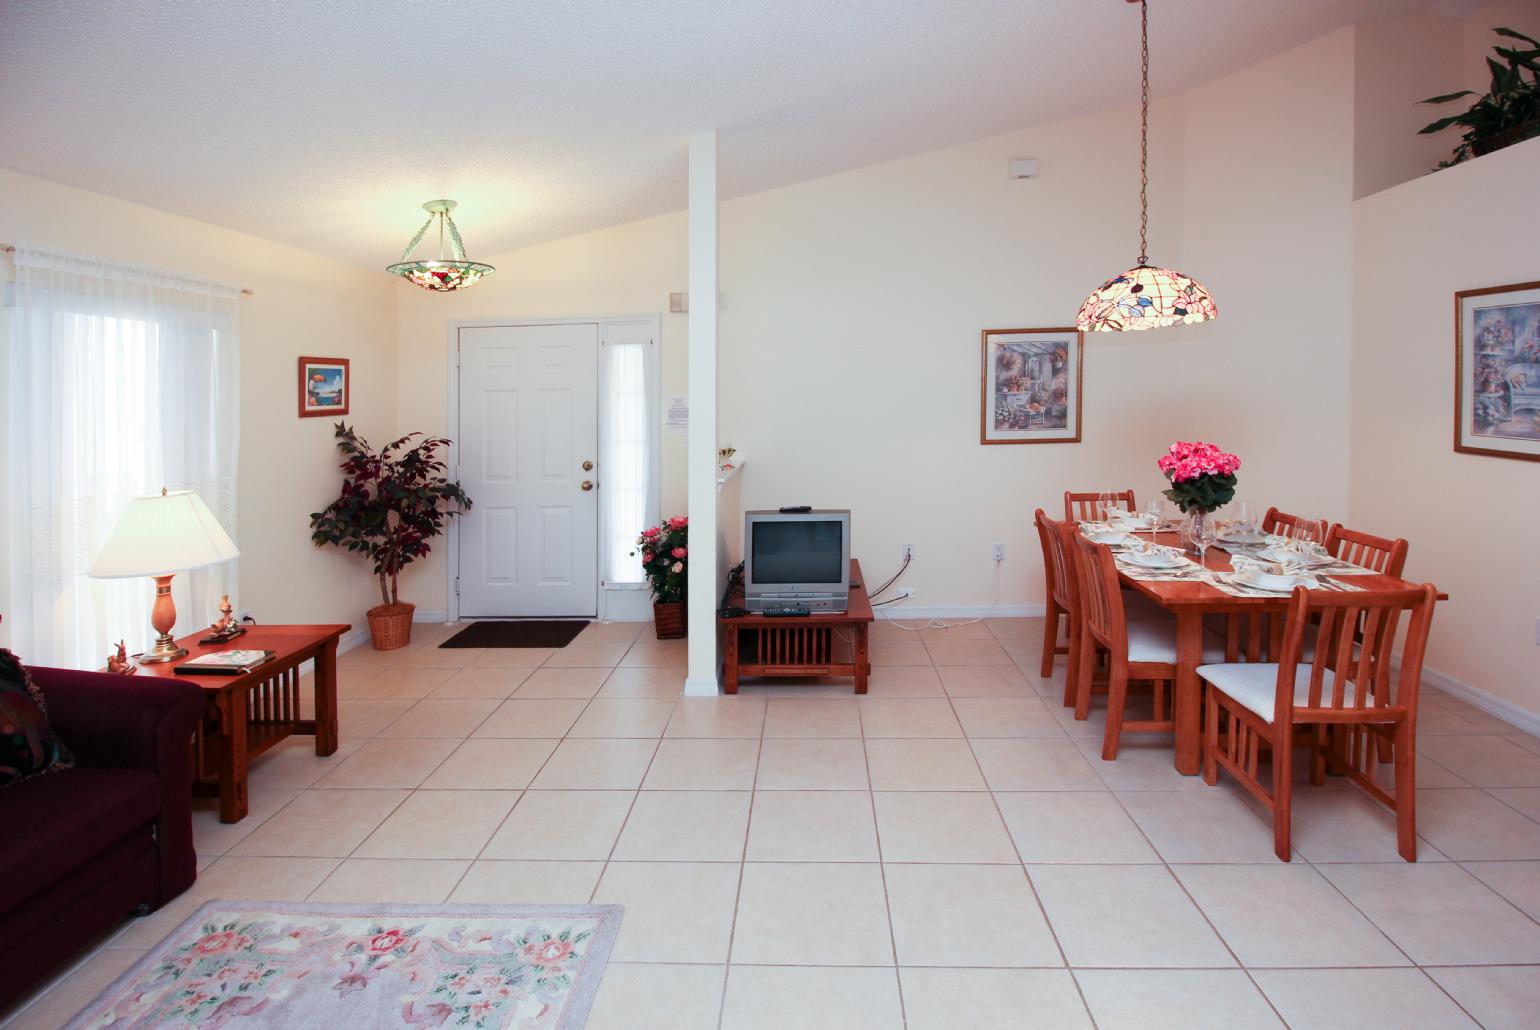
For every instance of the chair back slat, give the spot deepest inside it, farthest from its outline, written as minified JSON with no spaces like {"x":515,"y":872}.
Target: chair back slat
{"x":1081,"y":507}
{"x":1364,"y":549}
{"x":1056,"y":564}
{"x":1101,"y":597}
{"x":1285,"y":524}
{"x":1355,"y":644}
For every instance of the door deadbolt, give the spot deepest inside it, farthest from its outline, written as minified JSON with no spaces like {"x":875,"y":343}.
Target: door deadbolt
{"x":588,"y":466}
{"x":588,"y":484}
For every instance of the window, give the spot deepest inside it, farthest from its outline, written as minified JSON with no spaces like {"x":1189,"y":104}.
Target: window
{"x":121,"y":380}
{"x":628,"y":413}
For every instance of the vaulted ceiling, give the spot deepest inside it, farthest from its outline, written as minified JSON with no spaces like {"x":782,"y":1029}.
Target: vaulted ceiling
{"x":325,"y":124}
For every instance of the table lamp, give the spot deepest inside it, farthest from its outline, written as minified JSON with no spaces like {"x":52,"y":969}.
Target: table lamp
{"x":159,"y":536}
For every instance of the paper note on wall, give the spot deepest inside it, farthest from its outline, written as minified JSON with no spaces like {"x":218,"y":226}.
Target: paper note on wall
{"x":676,"y":421}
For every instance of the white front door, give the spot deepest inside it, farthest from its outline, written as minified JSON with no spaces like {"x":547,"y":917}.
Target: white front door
{"x":528,"y":424}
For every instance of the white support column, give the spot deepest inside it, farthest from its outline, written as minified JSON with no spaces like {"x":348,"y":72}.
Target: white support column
{"x":702,"y":464}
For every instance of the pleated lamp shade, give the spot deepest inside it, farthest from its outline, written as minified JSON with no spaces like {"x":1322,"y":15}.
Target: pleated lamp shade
{"x":168,"y":532}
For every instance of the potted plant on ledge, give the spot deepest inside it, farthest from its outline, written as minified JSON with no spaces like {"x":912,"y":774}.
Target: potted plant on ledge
{"x":664,"y":550}
{"x":1507,"y":114}
{"x":394,"y":502}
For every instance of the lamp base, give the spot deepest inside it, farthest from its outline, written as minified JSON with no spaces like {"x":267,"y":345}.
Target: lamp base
{"x":165,"y":650}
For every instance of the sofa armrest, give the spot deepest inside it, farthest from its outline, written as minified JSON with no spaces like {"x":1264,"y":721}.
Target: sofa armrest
{"x":120,"y":722}
{"x":123,"y":722}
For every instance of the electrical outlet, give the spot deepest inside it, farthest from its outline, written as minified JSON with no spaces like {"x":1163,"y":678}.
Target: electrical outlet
{"x":1537,"y":631}
{"x":909,"y":552}
{"x":997,"y":551}
{"x":904,"y":592}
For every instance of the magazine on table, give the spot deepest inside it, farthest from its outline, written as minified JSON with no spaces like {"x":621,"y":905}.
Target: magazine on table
{"x":224,"y":663}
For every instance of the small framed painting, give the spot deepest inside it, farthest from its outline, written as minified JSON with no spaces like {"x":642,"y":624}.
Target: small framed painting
{"x":1497,"y":371}
{"x":324,"y":387}
{"x":1031,"y":380}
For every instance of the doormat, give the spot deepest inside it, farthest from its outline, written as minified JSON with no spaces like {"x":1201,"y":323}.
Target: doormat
{"x":518,"y":633}
{"x":281,"y":965}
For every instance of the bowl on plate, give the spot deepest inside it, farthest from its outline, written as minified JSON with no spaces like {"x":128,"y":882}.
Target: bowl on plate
{"x":1107,"y":536}
{"x":1159,"y":558}
{"x":1265,"y":580}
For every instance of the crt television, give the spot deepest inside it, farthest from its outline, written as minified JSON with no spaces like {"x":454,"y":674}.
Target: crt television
{"x":796,"y":561}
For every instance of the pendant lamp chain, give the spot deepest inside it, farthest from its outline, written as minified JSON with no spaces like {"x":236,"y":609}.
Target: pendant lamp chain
{"x":1144,"y":132}
{"x":1145,"y":297}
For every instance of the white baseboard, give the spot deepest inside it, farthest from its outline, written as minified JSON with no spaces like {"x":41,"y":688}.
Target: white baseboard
{"x":1497,"y":707}
{"x":961,"y":611}
{"x":425,"y":616}
{"x":352,"y":638}
{"x":701,"y":686}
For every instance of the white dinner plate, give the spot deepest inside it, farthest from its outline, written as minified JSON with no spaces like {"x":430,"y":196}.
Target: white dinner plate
{"x":1132,"y":522}
{"x":1154,"y":559}
{"x":1269,"y":581}
{"x":1274,"y":554}
{"x":1114,"y":537}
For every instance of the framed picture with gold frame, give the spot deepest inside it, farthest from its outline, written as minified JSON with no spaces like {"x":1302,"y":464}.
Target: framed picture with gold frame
{"x":1497,"y":371}
{"x":1031,"y":385}
{"x":325,"y":387}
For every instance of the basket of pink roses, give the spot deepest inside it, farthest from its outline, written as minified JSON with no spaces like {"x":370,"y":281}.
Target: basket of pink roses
{"x":664,"y":551}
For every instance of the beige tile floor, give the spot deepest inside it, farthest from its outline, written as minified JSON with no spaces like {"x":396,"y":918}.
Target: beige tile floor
{"x":949,"y":851}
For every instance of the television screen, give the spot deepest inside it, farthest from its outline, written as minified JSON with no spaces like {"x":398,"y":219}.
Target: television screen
{"x":797,"y":552}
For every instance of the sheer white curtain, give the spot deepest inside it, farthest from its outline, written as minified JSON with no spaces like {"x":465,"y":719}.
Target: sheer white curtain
{"x":122,"y":379}
{"x":627,"y":454}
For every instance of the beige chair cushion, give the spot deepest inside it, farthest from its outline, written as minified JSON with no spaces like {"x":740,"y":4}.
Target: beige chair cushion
{"x":1155,"y":641}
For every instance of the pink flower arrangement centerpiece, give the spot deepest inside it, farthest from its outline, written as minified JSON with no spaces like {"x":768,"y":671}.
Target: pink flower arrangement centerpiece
{"x":1202,"y":479}
{"x":664,"y":551}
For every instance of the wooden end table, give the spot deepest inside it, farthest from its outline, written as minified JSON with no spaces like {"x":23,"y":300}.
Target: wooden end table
{"x":768,"y":645}
{"x":248,"y":714}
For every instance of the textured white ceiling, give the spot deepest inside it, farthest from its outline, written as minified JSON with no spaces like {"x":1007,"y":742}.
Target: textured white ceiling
{"x":325,"y":124}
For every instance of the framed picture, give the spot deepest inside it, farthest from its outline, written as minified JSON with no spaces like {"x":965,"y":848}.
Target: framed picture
{"x":1032,"y":385}
{"x":323,"y":387}
{"x":1497,"y":371}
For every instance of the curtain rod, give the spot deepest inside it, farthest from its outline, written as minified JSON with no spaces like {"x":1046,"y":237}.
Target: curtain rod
{"x":6,"y":248}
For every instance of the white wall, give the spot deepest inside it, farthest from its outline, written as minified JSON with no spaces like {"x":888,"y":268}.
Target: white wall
{"x":852,"y":307}
{"x":1467,"y":516}
{"x":1387,"y":88}
{"x":303,"y":304}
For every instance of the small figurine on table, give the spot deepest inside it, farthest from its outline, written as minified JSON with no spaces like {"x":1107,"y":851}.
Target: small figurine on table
{"x":119,"y":661}
{"x":225,"y":627}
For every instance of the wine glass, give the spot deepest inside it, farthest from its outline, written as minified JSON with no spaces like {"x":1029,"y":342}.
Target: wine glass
{"x":1245,"y":517}
{"x":1106,"y":505}
{"x":1152,"y":511}
{"x":1204,"y":533}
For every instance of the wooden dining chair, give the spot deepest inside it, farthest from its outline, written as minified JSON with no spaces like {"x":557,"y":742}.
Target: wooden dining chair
{"x":1063,"y":600}
{"x":1367,"y":551}
{"x":1138,"y":650}
{"x":1081,"y":507}
{"x":1338,"y":705}
{"x":1276,"y":521}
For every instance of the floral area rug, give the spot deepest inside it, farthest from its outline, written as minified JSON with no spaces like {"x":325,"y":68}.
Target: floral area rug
{"x":295,"y":965}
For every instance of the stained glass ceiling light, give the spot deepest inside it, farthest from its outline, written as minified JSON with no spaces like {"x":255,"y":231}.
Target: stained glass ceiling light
{"x":1145,"y":296}
{"x":441,"y":274}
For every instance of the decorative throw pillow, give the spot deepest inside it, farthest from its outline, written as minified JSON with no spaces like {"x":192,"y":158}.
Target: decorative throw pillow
{"x":28,"y":746}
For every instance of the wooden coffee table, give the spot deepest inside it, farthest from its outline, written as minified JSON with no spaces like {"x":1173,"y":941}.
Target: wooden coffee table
{"x":250,"y":713}
{"x":768,"y":645}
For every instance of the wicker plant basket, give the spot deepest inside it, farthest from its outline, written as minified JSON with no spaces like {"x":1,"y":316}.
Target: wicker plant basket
{"x":1507,"y":138}
{"x":669,"y":619}
{"x":390,"y":625}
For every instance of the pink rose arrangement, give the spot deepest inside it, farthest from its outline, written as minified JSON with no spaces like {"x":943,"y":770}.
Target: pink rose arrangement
{"x":1202,"y":476}
{"x":664,"y":549}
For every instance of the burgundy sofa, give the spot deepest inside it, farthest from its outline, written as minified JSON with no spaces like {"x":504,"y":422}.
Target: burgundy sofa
{"x":82,"y":848}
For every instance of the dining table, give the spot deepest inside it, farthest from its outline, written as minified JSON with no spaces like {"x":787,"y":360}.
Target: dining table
{"x":1195,"y":595}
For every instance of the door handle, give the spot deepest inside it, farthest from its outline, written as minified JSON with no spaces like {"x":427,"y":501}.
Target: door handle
{"x":588,"y":484}
{"x":588,"y":466}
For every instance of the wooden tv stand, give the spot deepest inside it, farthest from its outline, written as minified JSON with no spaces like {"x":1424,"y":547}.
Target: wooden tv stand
{"x":769,"y":645}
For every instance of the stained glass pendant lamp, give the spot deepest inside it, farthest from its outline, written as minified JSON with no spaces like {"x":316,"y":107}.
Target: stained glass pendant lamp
{"x":1146,"y":296}
{"x":441,"y":274}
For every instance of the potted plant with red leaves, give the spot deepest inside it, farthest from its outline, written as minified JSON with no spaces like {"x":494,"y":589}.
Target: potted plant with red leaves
{"x":394,"y":502}
{"x":665,"y":551}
